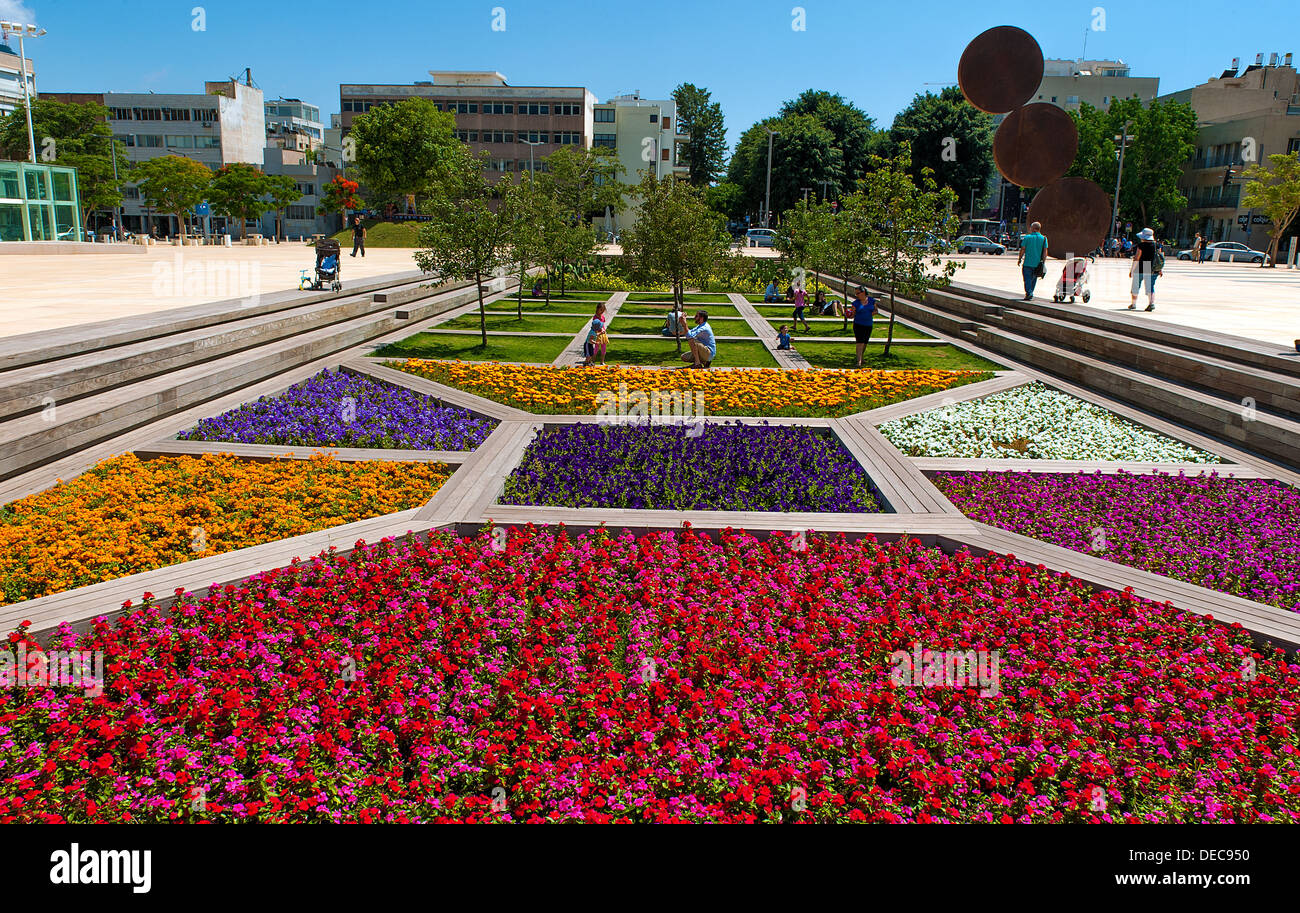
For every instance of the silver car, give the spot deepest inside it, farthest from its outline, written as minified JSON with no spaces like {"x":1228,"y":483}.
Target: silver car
{"x":760,"y":237}
{"x":1233,"y":251}
{"x":969,"y":244}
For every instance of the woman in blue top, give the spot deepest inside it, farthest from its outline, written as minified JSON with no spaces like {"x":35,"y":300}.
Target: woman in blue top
{"x":596,"y":341}
{"x":864,"y":312}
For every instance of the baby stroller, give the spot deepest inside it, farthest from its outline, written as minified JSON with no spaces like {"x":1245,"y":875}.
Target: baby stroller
{"x":327,"y":267}
{"x":1074,"y":280}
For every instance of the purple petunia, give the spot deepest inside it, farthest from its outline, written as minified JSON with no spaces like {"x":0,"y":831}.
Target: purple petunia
{"x":346,"y":410}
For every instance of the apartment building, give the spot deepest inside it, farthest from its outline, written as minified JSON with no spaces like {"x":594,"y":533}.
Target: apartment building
{"x":518,"y":126}
{"x":293,"y":124}
{"x":300,"y":219}
{"x":643,"y":133}
{"x":11,"y":79}
{"x":1244,"y":117}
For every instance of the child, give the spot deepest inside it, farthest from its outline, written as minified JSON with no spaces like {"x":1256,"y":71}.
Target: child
{"x":800,"y":301}
{"x":782,"y":338}
{"x":597,"y":340}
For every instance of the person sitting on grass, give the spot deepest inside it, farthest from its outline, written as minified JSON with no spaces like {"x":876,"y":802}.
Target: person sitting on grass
{"x":703,"y":345}
{"x":782,"y":338}
{"x":770,"y":294}
{"x":537,"y":288}
{"x":864,"y":312}
{"x":674,"y":324}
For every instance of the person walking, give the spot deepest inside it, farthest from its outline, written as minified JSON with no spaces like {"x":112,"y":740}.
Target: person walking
{"x":1032,"y":258}
{"x":1197,"y":245}
{"x":1144,"y":268}
{"x":703,"y":344}
{"x":597,"y":339}
{"x":864,"y":312}
{"x":358,"y":236}
{"x":800,"y":302}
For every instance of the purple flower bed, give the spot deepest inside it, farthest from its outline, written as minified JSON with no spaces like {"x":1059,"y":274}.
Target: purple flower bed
{"x":1239,"y":536}
{"x":721,"y":467}
{"x":346,"y":410}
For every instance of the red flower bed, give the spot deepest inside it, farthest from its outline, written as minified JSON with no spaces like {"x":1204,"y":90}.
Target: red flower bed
{"x":664,"y":678}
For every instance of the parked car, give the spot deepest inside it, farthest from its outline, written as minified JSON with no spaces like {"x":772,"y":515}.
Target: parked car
{"x":1234,"y":251}
{"x":970,"y":244}
{"x":928,"y":241}
{"x":760,"y":237}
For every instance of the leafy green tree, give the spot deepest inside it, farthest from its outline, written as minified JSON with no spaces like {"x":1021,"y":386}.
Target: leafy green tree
{"x":676,"y":237}
{"x":401,"y":147}
{"x":281,"y":191}
{"x":240,"y":191}
{"x":803,"y":155}
{"x":75,"y":135}
{"x":896,"y":209}
{"x":701,"y":118}
{"x":583,"y":182}
{"x":1162,"y":137}
{"x":727,"y":199}
{"x":849,"y":245}
{"x":174,"y":184}
{"x":528,"y":208}
{"x":467,"y":238}
{"x":805,"y":235}
{"x":1275,"y":191}
{"x":853,"y":132}
{"x":950,"y":137}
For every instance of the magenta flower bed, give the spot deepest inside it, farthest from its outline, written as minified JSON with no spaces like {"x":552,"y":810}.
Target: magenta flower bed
{"x":1239,"y":536}
{"x":666,"y":678}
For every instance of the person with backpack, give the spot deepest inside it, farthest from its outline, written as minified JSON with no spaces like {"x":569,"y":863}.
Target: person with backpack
{"x":1148,"y":263}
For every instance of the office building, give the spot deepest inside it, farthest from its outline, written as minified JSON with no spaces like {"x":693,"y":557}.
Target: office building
{"x":300,"y":219}
{"x":1244,"y":117}
{"x":11,"y":83}
{"x":642,"y":132}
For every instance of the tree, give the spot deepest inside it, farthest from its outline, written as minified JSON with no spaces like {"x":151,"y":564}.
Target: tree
{"x":529,"y":208}
{"x":338,"y":195}
{"x":853,"y":131}
{"x":950,"y":137}
{"x":1161,"y":138}
{"x":239,"y":191}
{"x":174,"y":184}
{"x":465,"y":239}
{"x":1276,"y":192}
{"x":726,"y":199}
{"x":701,"y":118}
{"x":676,"y":237}
{"x":75,"y":135}
{"x":400,"y":148}
{"x":805,"y":235}
{"x":583,"y":182}
{"x":803,"y":155}
{"x":281,"y":191}
{"x":895,"y":210}
{"x":849,"y":244}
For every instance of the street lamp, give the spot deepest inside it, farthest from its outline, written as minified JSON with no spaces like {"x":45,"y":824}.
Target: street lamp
{"x":767,"y":196}
{"x":1123,"y":140}
{"x":8,"y":28}
{"x":530,"y":145}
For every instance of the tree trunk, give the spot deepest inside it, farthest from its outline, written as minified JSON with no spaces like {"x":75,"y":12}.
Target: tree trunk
{"x":845,"y":309}
{"x":482,"y":312}
{"x":893,"y":274}
{"x":180,"y":225}
{"x":547,"y":277}
{"x":519,"y":299}
{"x":679,"y":314}
{"x":563,"y":262}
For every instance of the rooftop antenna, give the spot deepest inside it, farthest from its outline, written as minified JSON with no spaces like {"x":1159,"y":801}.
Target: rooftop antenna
{"x":1085,"y":45}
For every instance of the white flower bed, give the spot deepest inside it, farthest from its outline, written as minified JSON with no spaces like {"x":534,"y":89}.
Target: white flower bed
{"x":1034,"y":422}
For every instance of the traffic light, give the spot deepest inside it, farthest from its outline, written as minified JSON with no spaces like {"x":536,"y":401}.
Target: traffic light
{"x":1227,"y":176}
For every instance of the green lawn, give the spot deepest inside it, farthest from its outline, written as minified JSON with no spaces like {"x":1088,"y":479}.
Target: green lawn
{"x":940,"y":357}
{"x":468,"y":348}
{"x":836,"y":328}
{"x":564,"y":306}
{"x":659,"y":310}
{"x":383,"y":234}
{"x":509,"y":323}
{"x":643,"y":325}
{"x":688,"y":299}
{"x":657,"y":352}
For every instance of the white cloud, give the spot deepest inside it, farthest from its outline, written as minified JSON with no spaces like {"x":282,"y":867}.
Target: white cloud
{"x":16,"y":11}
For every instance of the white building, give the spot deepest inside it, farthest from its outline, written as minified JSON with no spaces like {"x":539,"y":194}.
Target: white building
{"x":643,"y":133}
{"x":293,"y":124}
{"x":11,"y":84}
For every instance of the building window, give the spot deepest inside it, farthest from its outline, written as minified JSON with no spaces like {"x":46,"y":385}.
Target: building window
{"x":501,"y":165}
{"x":465,"y":107}
{"x":497,"y":107}
{"x":663,"y":154}
{"x":126,"y":139}
{"x":467,"y":136}
{"x":147,"y":113}
{"x":207,"y":142}
{"x":569,"y":139}
{"x":498,"y":136}
{"x":534,"y":109}
{"x":307,"y":190}
{"x":1293,"y":146}
{"x":300,"y":213}
{"x":568,"y":110}
{"x":654,"y":118}
{"x":149,"y":141}
{"x":533,"y":136}
{"x":607,"y":140}
{"x":119,"y":113}
{"x":179,"y":142}
{"x":603,"y":115}
{"x":667,"y":122}
{"x":176,"y":113}
{"x":1071,"y":99}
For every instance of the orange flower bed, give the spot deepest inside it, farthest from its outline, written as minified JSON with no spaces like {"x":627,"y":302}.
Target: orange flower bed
{"x":129,"y":515}
{"x":760,"y":391}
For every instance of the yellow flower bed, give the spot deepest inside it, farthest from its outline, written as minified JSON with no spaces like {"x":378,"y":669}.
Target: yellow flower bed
{"x":762,"y":391}
{"x":129,"y":515}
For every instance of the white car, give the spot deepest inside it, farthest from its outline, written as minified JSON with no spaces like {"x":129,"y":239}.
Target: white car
{"x":760,"y":237}
{"x":1232,"y":251}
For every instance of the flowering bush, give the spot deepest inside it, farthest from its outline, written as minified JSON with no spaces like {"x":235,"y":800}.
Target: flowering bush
{"x":600,"y":281}
{"x":346,"y":410}
{"x":761,"y":391}
{"x":1233,"y":535}
{"x":1034,"y":422}
{"x":666,"y":678}
{"x":127,"y":515}
{"x":690,"y":467}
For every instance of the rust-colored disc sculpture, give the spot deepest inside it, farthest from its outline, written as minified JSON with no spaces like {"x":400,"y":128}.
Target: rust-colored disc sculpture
{"x":1000,"y":69}
{"x":1075,"y":214}
{"x":1035,"y":145}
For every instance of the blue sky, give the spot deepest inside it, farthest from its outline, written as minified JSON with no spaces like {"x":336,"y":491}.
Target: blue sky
{"x":879,"y":55}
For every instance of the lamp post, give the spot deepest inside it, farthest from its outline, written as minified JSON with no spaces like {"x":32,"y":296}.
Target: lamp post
{"x":531,"y":164}
{"x":1122,"y":139}
{"x":8,"y":28}
{"x":767,"y":196}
